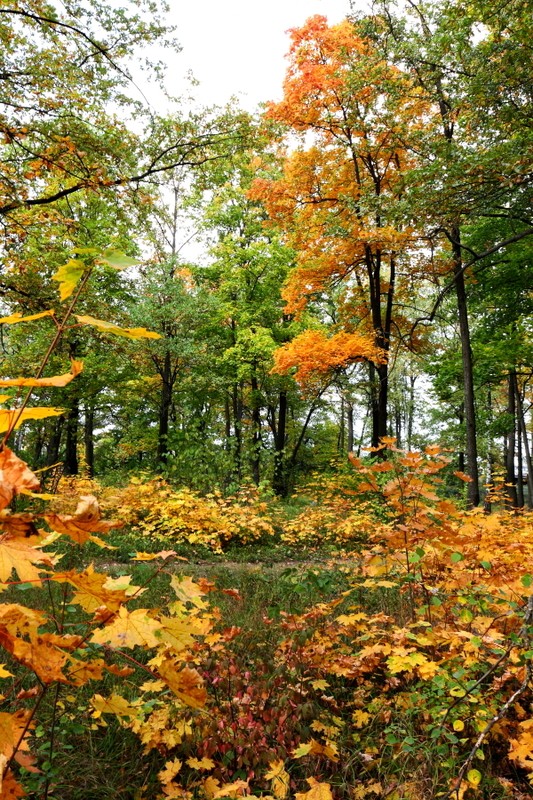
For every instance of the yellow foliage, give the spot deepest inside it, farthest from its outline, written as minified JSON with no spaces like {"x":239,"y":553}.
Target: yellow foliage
{"x":183,"y":516}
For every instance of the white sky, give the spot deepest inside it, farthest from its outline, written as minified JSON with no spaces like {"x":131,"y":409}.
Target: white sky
{"x":237,"y":47}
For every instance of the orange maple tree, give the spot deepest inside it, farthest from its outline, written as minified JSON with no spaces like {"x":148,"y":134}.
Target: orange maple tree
{"x":337,"y":200}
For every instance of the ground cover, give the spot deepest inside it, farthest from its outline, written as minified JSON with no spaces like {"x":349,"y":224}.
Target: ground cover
{"x":397,"y":664}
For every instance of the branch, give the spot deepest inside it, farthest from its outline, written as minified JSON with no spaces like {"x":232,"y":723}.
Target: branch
{"x":478,"y":257}
{"x":86,"y":183}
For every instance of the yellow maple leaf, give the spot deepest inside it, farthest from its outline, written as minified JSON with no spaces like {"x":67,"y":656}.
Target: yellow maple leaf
{"x":186,"y":683}
{"x":187,"y":590}
{"x":17,"y":317}
{"x":84,"y":522}
{"x":68,"y":276}
{"x":360,"y":718}
{"x":210,"y":786}
{"x":318,"y":791}
{"x":108,"y":327}
{"x":16,"y":554}
{"x":203,"y":763}
{"x":92,"y":589}
{"x":15,"y":476}
{"x":55,"y":380}
{"x":235,"y":789}
{"x":170,"y":771}
{"x":280,"y":778}
{"x":114,"y":704}
{"x":129,"y":629}
{"x":17,"y":417}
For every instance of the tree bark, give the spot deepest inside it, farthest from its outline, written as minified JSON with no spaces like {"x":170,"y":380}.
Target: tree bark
{"x":88,"y":436}
{"x":349,"y":425}
{"x":237,"y":430}
{"x":280,"y":483}
{"x":165,"y":403}
{"x":522,"y":430}
{"x":71,"y":439}
{"x":510,"y":450}
{"x":256,"y":430}
{"x":473,"y":495}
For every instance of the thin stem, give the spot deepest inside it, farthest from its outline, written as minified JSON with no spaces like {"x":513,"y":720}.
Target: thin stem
{"x":61,"y":327}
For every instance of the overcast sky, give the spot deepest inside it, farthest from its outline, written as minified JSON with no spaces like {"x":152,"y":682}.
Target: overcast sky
{"x":237,"y":47}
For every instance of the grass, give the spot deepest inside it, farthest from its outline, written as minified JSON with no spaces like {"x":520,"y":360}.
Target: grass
{"x":89,"y":760}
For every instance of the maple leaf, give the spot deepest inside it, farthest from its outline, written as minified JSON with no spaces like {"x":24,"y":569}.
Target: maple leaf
{"x":162,"y":554}
{"x":12,"y":728}
{"x":41,"y":654}
{"x":235,"y":789}
{"x":17,"y":554}
{"x":186,"y":683}
{"x":15,"y":476}
{"x":318,"y":791}
{"x":85,"y":521}
{"x":178,"y":633}
{"x":20,"y":526}
{"x":10,"y":788}
{"x":92,"y":589}
{"x":56,"y":380}
{"x":16,"y":416}
{"x":280,"y":778}
{"x":17,"y":317}
{"x":68,"y":276}
{"x":187,"y":590}
{"x":130,"y":629}
{"x":171,"y":770}
{"x":114,"y":704}
{"x":108,"y":327}
{"x":204,"y":763}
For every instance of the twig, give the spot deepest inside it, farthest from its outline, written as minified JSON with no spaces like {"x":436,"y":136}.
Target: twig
{"x":528,"y":620}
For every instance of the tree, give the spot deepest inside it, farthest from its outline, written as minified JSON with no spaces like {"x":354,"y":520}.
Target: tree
{"x":339,"y":201}
{"x":465,"y":61}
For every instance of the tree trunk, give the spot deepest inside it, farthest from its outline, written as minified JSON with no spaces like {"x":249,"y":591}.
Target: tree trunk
{"x":349,"y":425}
{"x":473,"y":496}
{"x":510,"y":450}
{"x":280,"y":483}
{"x":71,"y":439}
{"x":527,"y":453}
{"x":54,"y":441}
{"x":341,"y":436}
{"x":165,"y":403}
{"x":88,"y":435}
{"x":237,"y":431}
{"x":256,"y":429}
{"x":411,"y":412}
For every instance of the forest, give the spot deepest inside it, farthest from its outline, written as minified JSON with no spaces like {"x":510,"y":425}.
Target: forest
{"x":266,"y":469}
